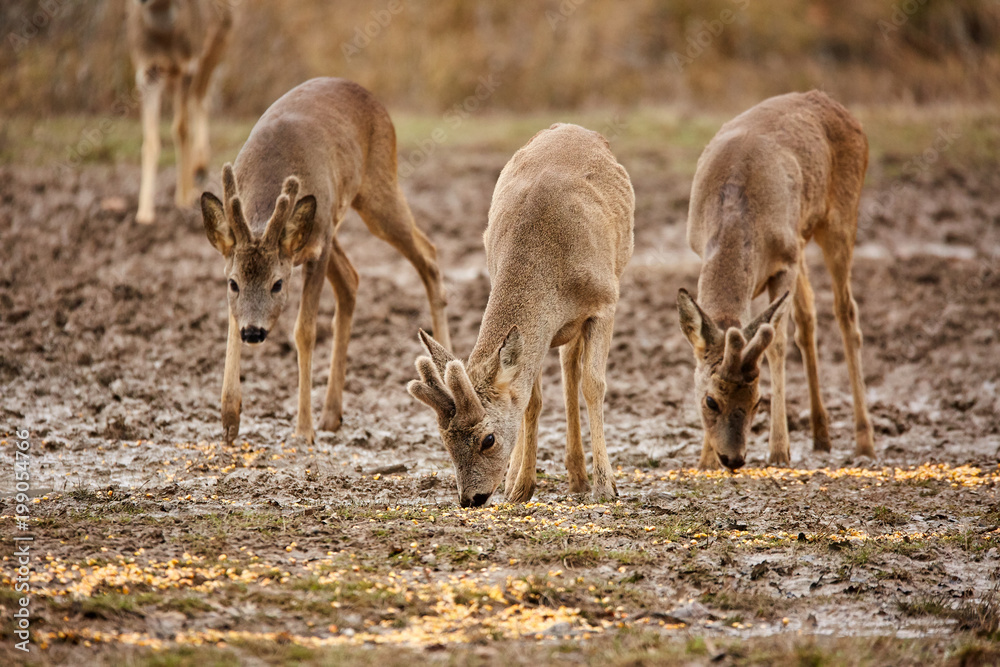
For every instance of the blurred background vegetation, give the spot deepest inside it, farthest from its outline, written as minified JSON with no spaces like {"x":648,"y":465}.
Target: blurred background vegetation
{"x":427,"y":55}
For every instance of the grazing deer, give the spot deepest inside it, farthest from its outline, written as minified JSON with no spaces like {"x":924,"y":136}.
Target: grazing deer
{"x":558,"y":238}
{"x":788,"y":170}
{"x":325,"y":146}
{"x":175,"y":45}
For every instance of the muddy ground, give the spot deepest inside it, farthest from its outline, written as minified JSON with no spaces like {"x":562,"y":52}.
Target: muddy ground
{"x":156,"y":544}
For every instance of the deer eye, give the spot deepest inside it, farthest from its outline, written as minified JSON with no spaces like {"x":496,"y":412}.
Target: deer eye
{"x":487,"y":442}
{"x":276,"y":288}
{"x":711,"y":403}
{"x":234,"y":287}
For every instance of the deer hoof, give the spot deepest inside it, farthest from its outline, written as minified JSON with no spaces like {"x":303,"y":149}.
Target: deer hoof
{"x":520,"y":494}
{"x":331,"y":422}
{"x":821,"y":444}
{"x":779,"y":459}
{"x":865,"y":445}
{"x":605,"y":491}
{"x":307,"y":435}
{"x":231,"y":424}
{"x":577,"y":485}
{"x":709,"y":462}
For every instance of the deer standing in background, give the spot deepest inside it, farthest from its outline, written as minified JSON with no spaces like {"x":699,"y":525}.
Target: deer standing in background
{"x":325,"y":146}
{"x":786,"y":171}
{"x":175,"y":46}
{"x":558,"y":239}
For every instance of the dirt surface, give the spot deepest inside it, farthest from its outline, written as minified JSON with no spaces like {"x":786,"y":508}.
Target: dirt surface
{"x":151,"y":536}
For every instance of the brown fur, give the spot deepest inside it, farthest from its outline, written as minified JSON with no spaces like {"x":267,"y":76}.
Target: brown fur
{"x":786,"y":171}
{"x":175,"y":45}
{"x":325,"y":146}
{"x":558,"y":240}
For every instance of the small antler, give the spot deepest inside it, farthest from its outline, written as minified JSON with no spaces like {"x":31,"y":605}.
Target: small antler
{"x":467,"y":403}
{"x":291,"y":188}
{"x":233,"y":208}
{"x":282,"y":211}
{"x":755,"y":348}
{"x":733,"y":356}
{"x":430,"y":390}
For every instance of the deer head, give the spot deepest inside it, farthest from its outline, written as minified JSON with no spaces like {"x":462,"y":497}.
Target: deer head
{"x":258,"y":267}
{"x":478,"y":416}
{"x":727,"y":372}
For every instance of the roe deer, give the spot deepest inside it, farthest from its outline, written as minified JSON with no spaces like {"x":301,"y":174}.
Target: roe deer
{"x":330,"y":141}
{"x":558,"y":238}
{"x":175,"y":45}
{"x":788,"y":170}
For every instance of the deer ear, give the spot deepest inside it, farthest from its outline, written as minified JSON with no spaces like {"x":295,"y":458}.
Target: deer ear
{"x":217,"y":229}
{"x":770,"y":315}
{"x":299,"y":230}
{"x":511,"y":350}
{"x":430,"y":390}
{"x":509,"y":357}
{"x":699,"y":328}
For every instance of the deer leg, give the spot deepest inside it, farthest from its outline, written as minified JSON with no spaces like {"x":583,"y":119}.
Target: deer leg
{"x":514,"y":466}
{"x":344,"y":279}
{"x":576,"y":466}
{"x":199,"y":163}
{"x":305,"y":342}
{"x":182,"y":142}
{"x":216,"y":44}
{"x":780,"y":453}
{"x":597,"y":334}
{"x":804,"y":314}
{"x":838,"y":252}
{"x":389,"y":218}
{"x":709,"y":460}
{"x":523,"y":486}
{"x":232,"y":399}
{"x":151,"y":91}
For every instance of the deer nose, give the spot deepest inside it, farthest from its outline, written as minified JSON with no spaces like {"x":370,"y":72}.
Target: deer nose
{"x":253,"y":334}
{"x":732,"y":462}
{"x":477,"y":500}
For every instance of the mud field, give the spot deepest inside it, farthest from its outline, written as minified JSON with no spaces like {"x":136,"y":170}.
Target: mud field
{"x":156,"y":544}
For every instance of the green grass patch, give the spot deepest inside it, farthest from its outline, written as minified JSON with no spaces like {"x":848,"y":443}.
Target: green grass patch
{"x":114,"y":604}
{"x":981,"y":616}
{"x":903,"y":139}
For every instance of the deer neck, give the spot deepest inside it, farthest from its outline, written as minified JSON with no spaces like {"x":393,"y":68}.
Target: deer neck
{"x":726,"y":285}
{"x":501,"y":315}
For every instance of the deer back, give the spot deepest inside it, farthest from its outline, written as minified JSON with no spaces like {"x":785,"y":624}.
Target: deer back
{"x":561,"y":217}
{"x":323,"y":132}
